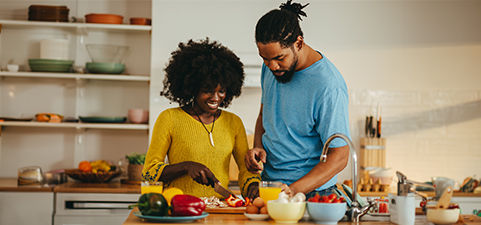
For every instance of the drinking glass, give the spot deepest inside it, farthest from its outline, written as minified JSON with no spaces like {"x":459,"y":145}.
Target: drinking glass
{"x":269,"y":190}
{"x":151,"y":186}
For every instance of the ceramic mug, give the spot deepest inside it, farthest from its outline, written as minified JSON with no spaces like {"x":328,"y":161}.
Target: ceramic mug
{"x":138,"y":115}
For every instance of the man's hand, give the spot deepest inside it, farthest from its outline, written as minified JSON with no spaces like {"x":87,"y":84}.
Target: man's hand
{"x":253,"y":191}
{"x":200,"y":173}
{"x":254,"y":160}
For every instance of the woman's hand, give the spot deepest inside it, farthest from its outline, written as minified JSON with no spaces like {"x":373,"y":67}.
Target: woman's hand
{"x":253,"y":191}
{"x":200,"y":173}
{"x":254,"y":159}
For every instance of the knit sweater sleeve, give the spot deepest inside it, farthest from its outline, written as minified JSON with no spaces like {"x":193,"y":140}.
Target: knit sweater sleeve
{"x":241,"y":147}
{"x":159,"y":146}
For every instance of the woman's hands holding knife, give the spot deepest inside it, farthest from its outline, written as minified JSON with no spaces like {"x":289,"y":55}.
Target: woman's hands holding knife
{"x":200,"y":173}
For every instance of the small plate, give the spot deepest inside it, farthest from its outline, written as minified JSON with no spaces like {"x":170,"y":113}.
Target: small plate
{"x":256,"y":216}
{"x":170,"y":219}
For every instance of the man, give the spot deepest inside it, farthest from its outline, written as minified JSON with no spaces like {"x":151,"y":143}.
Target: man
{"x":304,"y":101}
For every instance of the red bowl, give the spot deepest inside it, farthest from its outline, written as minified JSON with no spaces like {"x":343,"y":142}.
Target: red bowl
{"x":104,"y":18}
{"x":140,"y":21}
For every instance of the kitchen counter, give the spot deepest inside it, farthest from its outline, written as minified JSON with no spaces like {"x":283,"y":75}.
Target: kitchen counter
{"x":241,"y":219}
{"x":10,"y":184}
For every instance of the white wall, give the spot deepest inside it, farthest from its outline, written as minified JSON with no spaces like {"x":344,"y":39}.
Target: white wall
{"x":418,"y":59}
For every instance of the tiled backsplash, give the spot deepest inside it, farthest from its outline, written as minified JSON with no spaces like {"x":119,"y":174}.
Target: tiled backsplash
{"x":428,"y":133}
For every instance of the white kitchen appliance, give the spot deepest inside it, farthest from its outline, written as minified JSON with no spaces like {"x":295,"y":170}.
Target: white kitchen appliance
{"x":92,"y":208}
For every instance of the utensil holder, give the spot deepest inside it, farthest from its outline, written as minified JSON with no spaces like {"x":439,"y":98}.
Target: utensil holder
{"x":403,"y":209}
{"x":373,"y":152}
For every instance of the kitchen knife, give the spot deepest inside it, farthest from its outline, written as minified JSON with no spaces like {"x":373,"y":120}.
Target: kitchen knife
{"x":223,"y":191}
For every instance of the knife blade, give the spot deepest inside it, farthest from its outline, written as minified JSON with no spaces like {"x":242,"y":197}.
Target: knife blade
{"x":222,"y":190}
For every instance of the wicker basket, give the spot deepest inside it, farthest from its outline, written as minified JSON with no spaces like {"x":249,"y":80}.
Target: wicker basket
{"x":92,"y":177}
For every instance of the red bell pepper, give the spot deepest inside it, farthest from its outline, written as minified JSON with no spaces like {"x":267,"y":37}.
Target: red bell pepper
{"x":187,"y":205}
{"x":234,"y":202}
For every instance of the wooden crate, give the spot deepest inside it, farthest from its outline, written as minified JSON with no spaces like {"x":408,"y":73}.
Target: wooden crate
{"x":373,"y":152}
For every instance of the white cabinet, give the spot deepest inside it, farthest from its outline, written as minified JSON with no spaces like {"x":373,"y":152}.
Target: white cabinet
{"x":26,"y":208}
{"x":24,"y":93}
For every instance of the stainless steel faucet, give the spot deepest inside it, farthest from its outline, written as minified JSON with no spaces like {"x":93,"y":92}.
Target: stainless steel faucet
{"x":355,"y":211}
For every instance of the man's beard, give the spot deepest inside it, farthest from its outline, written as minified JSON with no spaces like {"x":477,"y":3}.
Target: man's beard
{"x":288,"y":74}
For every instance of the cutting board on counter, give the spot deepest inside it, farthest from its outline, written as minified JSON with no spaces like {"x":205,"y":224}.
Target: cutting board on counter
{"x":233,"y":210}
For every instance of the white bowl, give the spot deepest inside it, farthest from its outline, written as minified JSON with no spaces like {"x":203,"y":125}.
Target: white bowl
{"x":252,"y":216}
{"x":286,"y":212}
{"x":12,"y":67}
{"x":443,"y":216}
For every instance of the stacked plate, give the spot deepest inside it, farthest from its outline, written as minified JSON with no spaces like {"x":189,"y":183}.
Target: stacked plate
{"x":50,"y":65}
{"x":106,"y":68}
{"x":48,"y":13}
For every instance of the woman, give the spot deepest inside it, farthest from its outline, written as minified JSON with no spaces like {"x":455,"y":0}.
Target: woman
{"x":198,"y":137}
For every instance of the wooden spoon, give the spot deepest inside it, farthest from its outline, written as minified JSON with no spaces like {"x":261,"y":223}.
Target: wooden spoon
{"x":445,"y":199}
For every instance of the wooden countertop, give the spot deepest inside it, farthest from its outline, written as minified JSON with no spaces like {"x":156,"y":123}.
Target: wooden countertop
{"x":10,"y":184}
{"x":241,"y":219}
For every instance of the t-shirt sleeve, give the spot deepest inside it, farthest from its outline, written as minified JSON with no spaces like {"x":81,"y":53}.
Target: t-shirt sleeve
{"x":333,"y":115}
{"x":263,"y":70}
{"x":158,"y":148}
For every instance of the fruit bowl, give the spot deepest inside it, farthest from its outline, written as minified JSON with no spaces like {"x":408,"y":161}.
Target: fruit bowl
{"x":90,"y":177}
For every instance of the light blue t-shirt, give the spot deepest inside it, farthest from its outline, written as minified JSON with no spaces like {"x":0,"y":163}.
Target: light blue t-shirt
{"x":299,"y":116}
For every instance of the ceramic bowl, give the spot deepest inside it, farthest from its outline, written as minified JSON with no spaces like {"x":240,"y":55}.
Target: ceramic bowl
{"x":105,"y":68}
{"x":443,"y":216}
{"x":326,"y":213}
{"x":286,"y":212}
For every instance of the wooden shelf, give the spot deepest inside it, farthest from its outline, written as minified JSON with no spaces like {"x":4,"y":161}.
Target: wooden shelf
{"x":117,"y":126}
{"x":76,"y":76}
{"x":87,"y":26}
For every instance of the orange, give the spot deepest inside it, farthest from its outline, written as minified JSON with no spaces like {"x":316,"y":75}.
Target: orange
{"x":85,"y":166}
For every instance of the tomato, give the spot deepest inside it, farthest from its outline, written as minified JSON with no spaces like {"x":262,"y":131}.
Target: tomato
{"x":332,"y":196}
{"x":324,"y":199}
{"x":337,"y":201}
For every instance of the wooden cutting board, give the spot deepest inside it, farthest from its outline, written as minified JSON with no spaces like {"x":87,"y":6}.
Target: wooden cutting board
{"x":233,"y":210}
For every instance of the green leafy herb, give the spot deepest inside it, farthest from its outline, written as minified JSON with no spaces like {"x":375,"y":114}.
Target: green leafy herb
{"x":136,"y":158}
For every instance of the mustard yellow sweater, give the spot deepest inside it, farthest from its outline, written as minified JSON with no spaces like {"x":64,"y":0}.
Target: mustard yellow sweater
{"x":179,"y":136}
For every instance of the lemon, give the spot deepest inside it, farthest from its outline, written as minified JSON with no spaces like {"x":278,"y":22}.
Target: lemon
{"x":169,"y":193}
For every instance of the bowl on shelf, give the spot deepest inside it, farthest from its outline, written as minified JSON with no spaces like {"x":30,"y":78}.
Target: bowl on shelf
{"x":326,"y":213}
{"x":102,"y":119}
{"x":443,"y":216}
{"x":51,"y":13}
{"x":140,"y":21}
{"x":105,"y":68}
{"x":50,"y":65}
{"x":290,"y":212}
{"x":104,"y":53}
{"x":104,"y":18}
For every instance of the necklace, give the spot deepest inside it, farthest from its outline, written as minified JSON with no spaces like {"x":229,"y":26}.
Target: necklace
{"x":209,"y":132}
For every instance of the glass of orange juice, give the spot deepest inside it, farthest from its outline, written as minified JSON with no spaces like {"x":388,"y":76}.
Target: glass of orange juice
{"x":151,"y":186}
{"x":269,"y":190}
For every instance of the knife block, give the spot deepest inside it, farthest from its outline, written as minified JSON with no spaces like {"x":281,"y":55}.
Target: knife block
{"x":373,"y":152}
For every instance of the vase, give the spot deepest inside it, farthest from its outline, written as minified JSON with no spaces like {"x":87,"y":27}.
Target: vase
{"x":134,"y":172}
